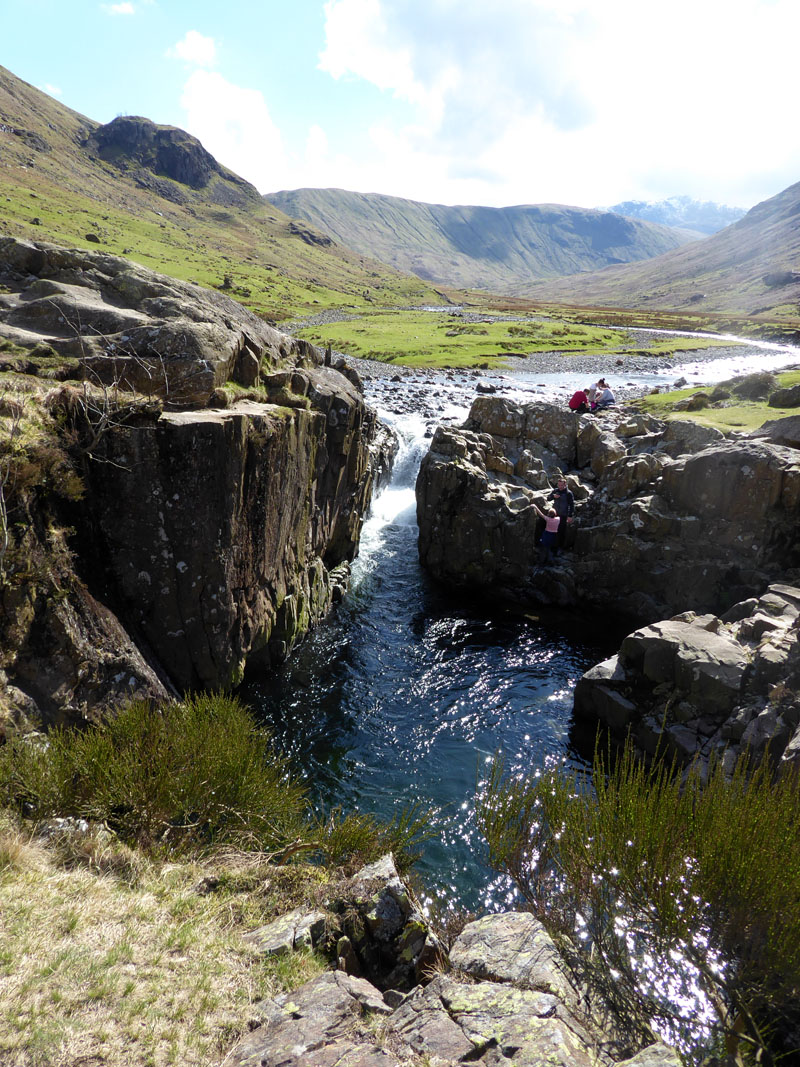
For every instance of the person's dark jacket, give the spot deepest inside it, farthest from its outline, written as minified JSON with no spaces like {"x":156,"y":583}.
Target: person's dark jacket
{"x":563,"y":502}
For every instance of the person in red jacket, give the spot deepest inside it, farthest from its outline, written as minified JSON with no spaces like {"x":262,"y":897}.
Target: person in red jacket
{"x":579,"y":402}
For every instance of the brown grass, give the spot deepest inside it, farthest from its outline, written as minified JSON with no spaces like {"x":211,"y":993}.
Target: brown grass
{"x":127,"y":971}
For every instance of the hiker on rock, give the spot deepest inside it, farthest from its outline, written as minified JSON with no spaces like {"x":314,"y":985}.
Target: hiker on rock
{"x":548,"y":540}
{"x":564,"y":505}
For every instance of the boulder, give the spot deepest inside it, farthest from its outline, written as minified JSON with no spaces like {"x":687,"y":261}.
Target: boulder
{"x":706,"y":668}
{"x":512,"y":947}
{"x":698,"y":685}
{"x":757,"y":386}
{"x":780,"y":431}
{"x":682,"y":436}
{"x":316,"y":1025}
{"x":128,"y":327}
{"x":785,"y":398}
{"x":299,"y":928}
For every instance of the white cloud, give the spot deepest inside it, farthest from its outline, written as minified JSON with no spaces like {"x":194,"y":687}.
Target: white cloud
{"x":196,"y":49}
{"x":119,"y":9}
{"x":583,"y":101}
{"x":235,"y":125}
{"x":51,"y":90}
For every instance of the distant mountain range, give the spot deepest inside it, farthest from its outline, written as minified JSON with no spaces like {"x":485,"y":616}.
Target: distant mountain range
{"x":478,"y":247}
{"x":682,"y":212}
{"x":752,"y":267}
{"x":152,"y":193}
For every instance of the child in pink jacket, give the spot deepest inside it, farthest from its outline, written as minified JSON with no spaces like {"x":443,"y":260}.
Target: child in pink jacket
{"x":550,"y":536}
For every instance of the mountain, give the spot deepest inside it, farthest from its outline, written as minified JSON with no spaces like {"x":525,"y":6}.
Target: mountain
{"x":477,"y":247}
{"x":750,"y":268}
{"x":154,"y":194}
{"x":682,"y":212}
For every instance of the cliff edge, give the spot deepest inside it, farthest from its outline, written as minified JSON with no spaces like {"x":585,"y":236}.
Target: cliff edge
{"x":183,"y":486}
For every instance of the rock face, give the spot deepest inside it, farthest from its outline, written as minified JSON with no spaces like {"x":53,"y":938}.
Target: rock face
{"x":207,"y":538}
{"x":669,"y":516}
{"x":113,"y":323}
{"x":502,"y":998}
{"x":165,"y":150}
{"x":702,"y":685}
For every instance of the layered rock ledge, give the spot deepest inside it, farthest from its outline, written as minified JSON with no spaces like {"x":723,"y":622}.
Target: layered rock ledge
{"x":699,"y":685}
{"x":202,"y":496}
{"x":502,"y":996}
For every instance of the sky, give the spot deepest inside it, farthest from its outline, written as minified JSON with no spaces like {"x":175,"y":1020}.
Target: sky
{"x":493,"y":102}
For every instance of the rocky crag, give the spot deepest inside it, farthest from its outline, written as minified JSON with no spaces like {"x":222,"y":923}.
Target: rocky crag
{"x":183,"y":485}
{"x":670,"y":516}
{"x":706,"y":686}
{"x":502,"y":995}
{"x":675,"y":526}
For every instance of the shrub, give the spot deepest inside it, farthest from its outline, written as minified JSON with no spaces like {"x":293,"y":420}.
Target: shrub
{"x":178,"y":777}
{"x":671,"y":882}
{"x":353,"y":839}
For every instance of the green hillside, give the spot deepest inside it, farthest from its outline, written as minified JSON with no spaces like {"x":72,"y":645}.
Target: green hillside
{"x":494,"y":249}
{"x":153,"y":194}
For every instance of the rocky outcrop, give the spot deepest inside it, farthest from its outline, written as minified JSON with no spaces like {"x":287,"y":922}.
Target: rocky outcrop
{"x":502,"y":997}
{"x":702,"y":685}
{"x":111,"y":323}
{"x":218,"y":475}
{"x":131,"y":140}
{"x":669,"y":516}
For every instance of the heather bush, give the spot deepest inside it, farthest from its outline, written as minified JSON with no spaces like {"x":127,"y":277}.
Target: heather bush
{"x":186,"y":775}
{"x":681,"y":890}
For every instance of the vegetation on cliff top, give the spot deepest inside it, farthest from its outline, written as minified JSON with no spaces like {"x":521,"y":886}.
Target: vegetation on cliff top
{"x":133,"y":856}
{"x":110,"y":956}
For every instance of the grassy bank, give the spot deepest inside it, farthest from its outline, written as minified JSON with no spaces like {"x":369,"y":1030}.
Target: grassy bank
{"x":109,"y":957}
{"x":734,"y":413}
{"x":134,"y":856}
{"x":484,"y":338}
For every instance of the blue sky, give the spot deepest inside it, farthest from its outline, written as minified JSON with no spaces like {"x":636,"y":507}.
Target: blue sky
{"x":584,"y":102}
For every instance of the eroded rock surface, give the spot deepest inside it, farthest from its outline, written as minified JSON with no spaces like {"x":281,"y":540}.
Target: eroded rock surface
{"x":703,"y":685}
{"x":502,"y":999}
{"x":669,"y":516}
{"x":219,"y":472}
{"x":112,"y":322}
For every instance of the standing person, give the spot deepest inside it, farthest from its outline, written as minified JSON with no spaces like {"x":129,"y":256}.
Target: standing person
{"x":564,"y":504}
{"x":547,"y":542}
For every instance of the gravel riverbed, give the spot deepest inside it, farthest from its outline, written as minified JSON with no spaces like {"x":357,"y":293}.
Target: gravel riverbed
{"x":426,"y":390}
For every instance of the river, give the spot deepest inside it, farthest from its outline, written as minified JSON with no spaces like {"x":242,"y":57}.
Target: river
{"x":405,"y":693}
